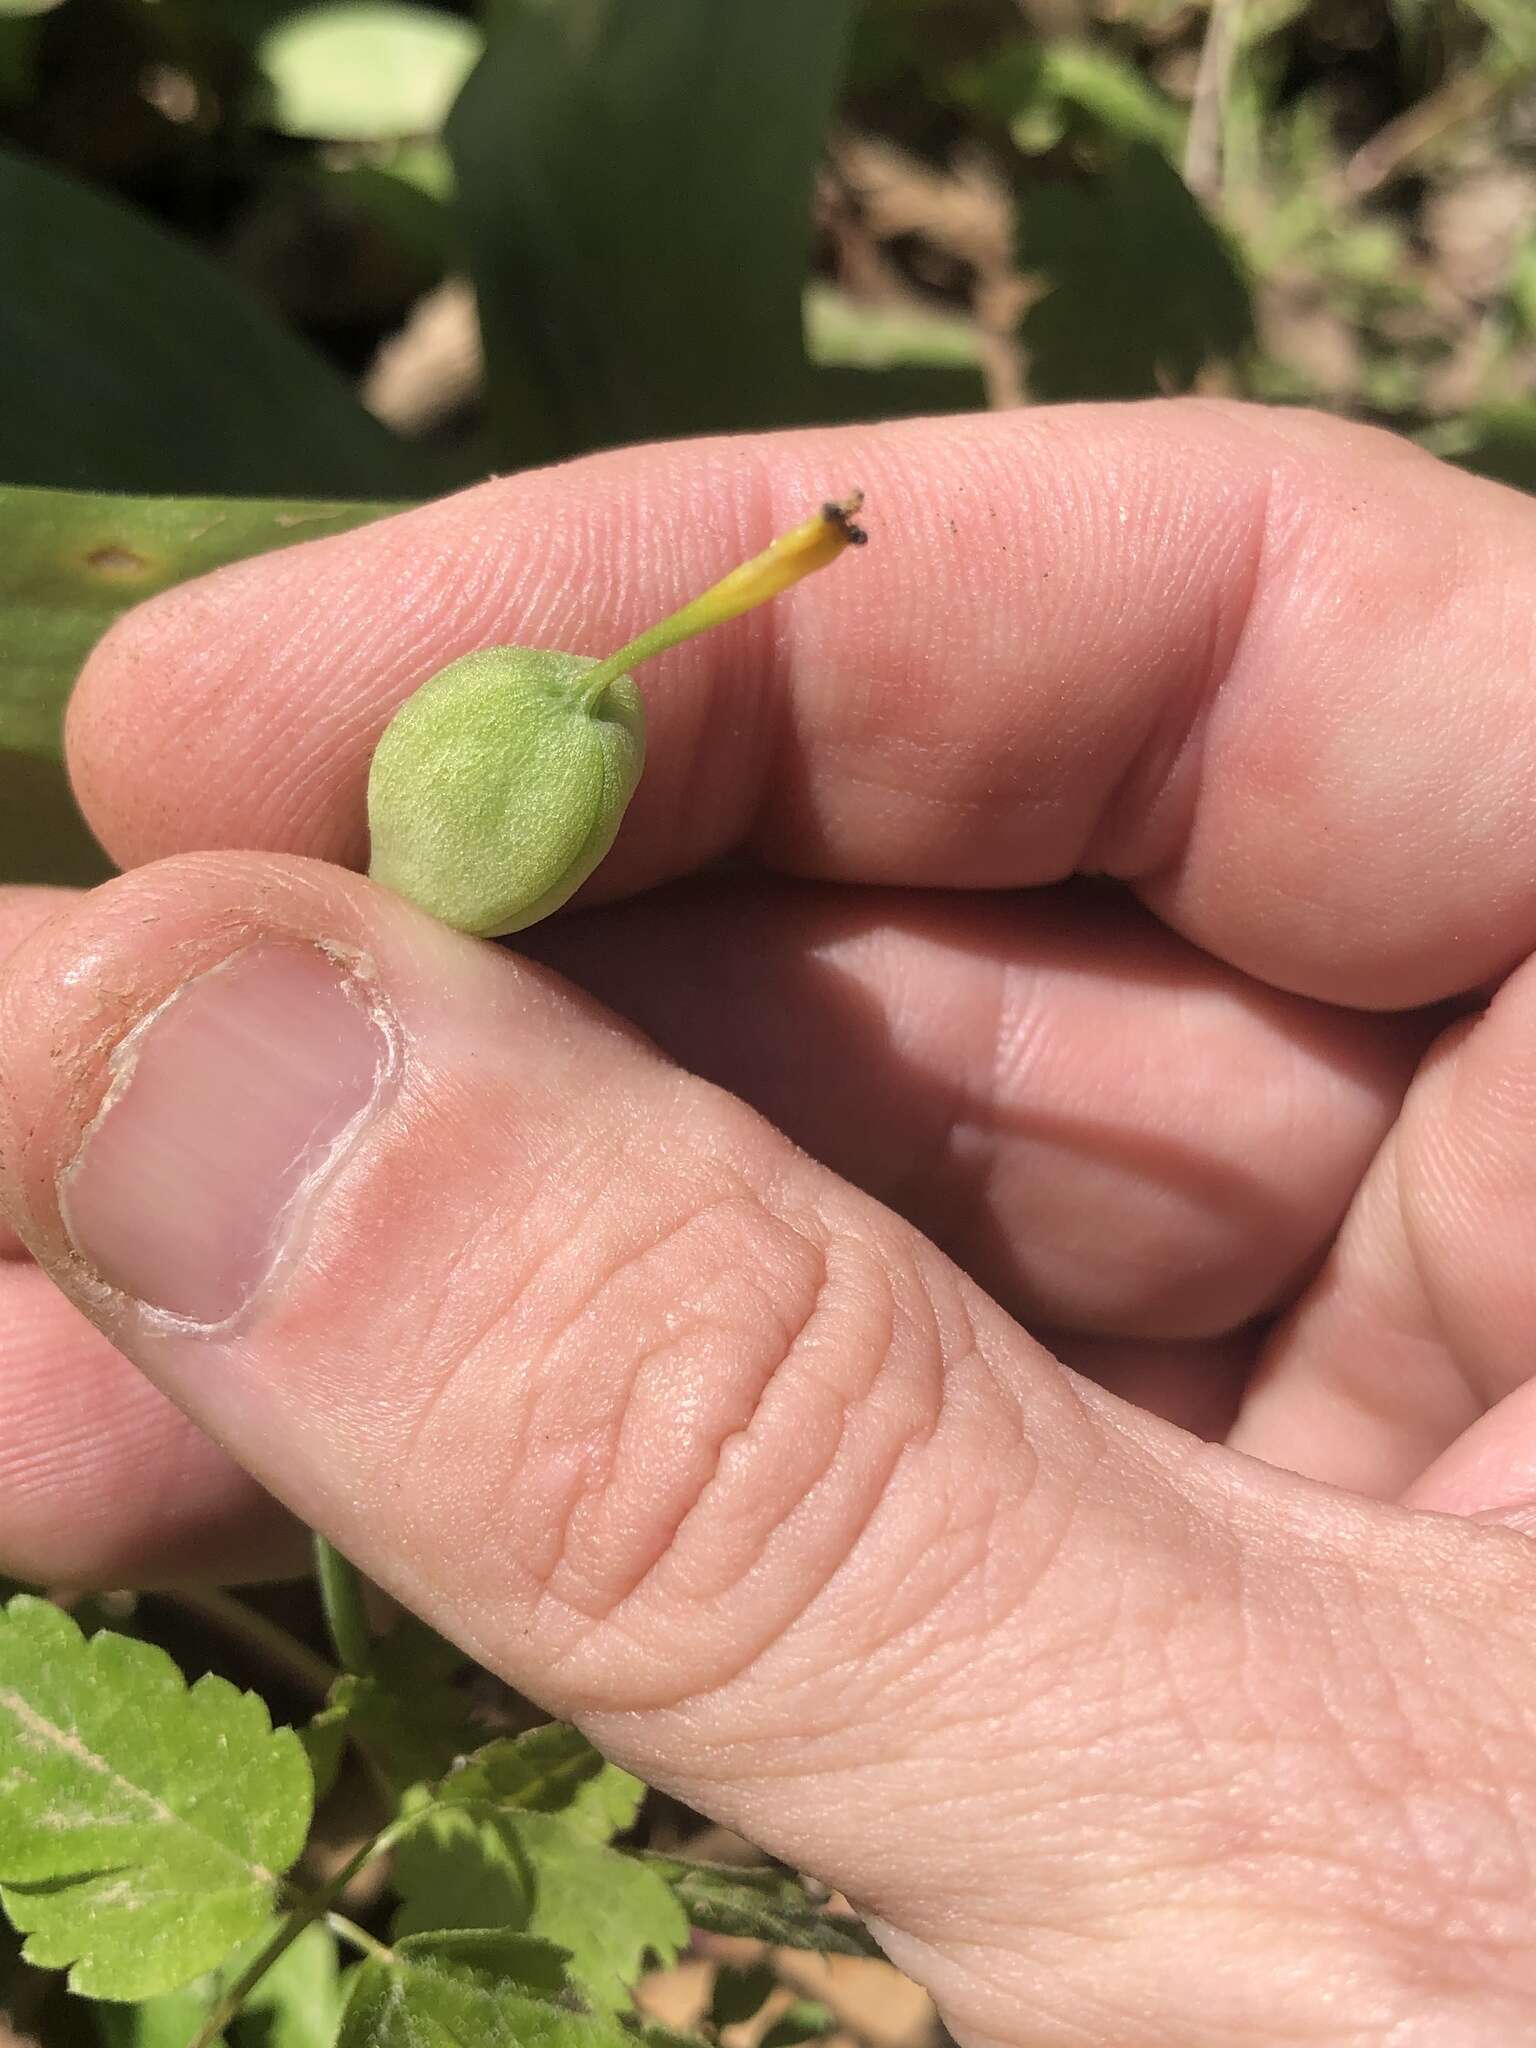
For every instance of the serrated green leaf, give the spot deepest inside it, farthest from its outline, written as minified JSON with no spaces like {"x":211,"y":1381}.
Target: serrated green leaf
{"x":146,"y":368}
{"x":70,"y":562}
{"x":739,"y":1993}
{"x":1145,"y":291}
{"x":761,"y":1905}
{"x":144,"y":1825}
{"x":635,"y":179}
{"x":479,"y":1866}
{"x":469,"y":1990}
{"x":366,"y":70}
{"x":553,"y":1769}
{"x":804,"y":2019}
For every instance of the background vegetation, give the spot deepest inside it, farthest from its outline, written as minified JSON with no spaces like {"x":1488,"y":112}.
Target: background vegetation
{"x":365,"y":250}
{"x":266,"y":268}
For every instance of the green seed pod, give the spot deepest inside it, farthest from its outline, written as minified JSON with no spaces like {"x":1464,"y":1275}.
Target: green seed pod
{"x":499,"y":786}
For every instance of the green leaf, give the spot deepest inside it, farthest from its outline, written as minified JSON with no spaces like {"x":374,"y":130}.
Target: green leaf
{"x":366,"y":70}
{"x":408,"y":192}
{"x":1513,"y":28}
{"x":532,"y":1873}
{"x":145,"y":368}
{"x":70,"y":562}
{"x":469,"y":1990}
{"x":297,"y":2004}
{"x":20,"y":38}
{"x":739,"y":1993}
{"x":1032,"y":87}
{"x":761,"y":1905}
{"x":805,"y":2019}
{"x":635,"y":179}
{"x":144,"y":1826}
{"x":411,"y":1652}
{"x":169,"y":2021}
{"x":553,"y":1769}
{"x":1112,"y":93}
{"x":412,"y":1736}
{"x":1495,"y":441}
{"x":406,"y":1716}
{"x":1145,"y":290}
{"x":655,"y":2035}
{"x":855,"y":334}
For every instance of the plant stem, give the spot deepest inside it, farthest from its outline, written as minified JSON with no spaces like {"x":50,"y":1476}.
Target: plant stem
{"x":268,"y":1639}
{"x":341,"y":1595}
{"x":1204,"y":146}
{"x":315,"y":1906}
{"x":359,"y":1937}
{"x":1467,"y":94}
{"x":784,"y":561}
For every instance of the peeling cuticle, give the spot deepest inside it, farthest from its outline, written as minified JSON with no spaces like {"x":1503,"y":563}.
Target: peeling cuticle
{"x":227,"y":1108}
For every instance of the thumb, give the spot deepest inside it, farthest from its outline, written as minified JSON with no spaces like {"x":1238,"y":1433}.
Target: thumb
{"x":706,"y":1450}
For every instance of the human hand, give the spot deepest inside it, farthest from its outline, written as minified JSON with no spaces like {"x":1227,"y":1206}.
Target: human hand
{"x":705,"y":1443}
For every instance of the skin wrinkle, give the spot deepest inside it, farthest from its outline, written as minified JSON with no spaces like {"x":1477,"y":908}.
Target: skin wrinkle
{"x":783,"y":1340}
{"x":691,"y":1221}
{"x":702,"y":1506}
{"x":882,"y":1660}
{"x":882,"y":1639}
{"x":468,"y":1351}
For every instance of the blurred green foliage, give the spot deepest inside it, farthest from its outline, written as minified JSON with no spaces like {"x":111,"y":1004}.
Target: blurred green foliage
{"x":233,"y":232}
{"x":668,"y":215}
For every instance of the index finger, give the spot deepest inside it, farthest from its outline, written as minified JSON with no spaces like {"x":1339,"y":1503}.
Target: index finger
{"x":1273,"y":671}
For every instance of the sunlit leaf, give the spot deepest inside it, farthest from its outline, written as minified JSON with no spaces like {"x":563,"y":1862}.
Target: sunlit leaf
{"x":144,"y":1825}
{"x":366,"y":70}
{"x":70,"y":562}
{"x":469,"y":1990}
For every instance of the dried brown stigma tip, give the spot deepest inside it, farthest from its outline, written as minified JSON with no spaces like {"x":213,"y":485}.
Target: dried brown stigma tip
{"x":841,"y":516}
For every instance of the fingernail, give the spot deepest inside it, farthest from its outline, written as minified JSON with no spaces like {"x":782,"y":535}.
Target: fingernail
{"x":228,"y":1106}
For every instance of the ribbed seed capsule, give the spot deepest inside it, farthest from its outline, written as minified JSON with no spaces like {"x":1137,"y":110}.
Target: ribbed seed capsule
{"x":499,"y":786}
